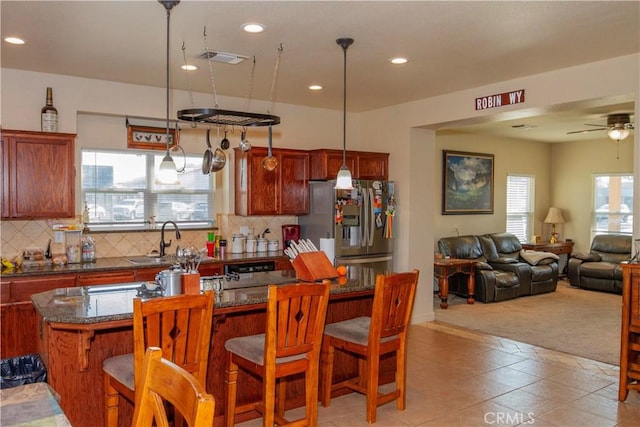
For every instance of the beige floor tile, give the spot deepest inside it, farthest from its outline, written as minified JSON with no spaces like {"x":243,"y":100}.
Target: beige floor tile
{"x":463,"y":378}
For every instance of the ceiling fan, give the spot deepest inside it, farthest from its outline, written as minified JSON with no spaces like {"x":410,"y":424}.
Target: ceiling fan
{"x":618,"y":126}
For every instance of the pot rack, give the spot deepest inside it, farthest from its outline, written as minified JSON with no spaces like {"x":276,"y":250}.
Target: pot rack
{"x":218,"y":116}
{"x":227,"y":117}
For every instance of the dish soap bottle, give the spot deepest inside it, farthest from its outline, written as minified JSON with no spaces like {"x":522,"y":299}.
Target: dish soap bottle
{"x":49,"y":114}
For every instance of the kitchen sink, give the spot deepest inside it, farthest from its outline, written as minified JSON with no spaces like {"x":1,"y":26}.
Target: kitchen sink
{"x":146,"y":260}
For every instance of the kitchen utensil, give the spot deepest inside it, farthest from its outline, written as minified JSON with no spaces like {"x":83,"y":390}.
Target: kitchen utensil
{"x":219,"y":160}
{"x":224,"y":144}
{"x":270,"y":163}
{"x":207,"y":157}
{"x":245,"y":145}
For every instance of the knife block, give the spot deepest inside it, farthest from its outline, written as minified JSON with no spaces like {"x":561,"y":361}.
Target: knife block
{"x":313,"y":266}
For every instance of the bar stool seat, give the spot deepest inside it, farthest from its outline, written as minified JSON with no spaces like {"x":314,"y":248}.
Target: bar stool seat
{"x":180,"y":325}
{"x":291,"y":345}
{"x":369,"y":338}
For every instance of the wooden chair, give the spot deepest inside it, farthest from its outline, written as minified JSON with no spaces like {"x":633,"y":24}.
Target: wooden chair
{"x":291,"y":345}
{"x":369,"y":338}
{"x":180,"y":325}
{"x":162,"y":380}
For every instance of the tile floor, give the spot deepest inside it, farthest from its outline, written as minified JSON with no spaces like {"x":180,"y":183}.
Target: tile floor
{"x":463,"y":378}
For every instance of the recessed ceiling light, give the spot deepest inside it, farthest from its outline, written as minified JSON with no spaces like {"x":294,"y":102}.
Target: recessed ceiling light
{"x":399,"y":60}
{"x":315,"y":87}
{"x":189,"y":67}
{"x":14,"y":40}
{"x":252,"y":27}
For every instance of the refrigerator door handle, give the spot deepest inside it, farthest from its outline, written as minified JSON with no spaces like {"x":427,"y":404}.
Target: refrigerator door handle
{"x":364,"y":260}
{"x":372,"y":222}
{"x":364,"y":227}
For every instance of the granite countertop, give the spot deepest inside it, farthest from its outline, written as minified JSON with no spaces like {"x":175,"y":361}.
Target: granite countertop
{"x":105,"y":303}
{"x":124,"y":263}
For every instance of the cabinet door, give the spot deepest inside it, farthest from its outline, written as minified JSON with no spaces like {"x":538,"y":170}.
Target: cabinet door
{"x":4,"y":177}
{"x":282,"y":191}
{"x":294,"y":188}
{"x":26,"y":328}
{"x":106,"y":278}
{"x":23,"y":288}
{"x":325,"y":164}
{"x":373,"y":166}
{"x":7,"y":337}
{"x":41,"y":174}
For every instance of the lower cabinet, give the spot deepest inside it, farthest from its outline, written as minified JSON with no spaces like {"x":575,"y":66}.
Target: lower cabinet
{"x":106,"y":278}
{"x":19,"y":326}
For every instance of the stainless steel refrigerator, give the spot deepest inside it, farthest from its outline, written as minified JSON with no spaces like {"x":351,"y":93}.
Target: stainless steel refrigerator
{"x":359,"y":222}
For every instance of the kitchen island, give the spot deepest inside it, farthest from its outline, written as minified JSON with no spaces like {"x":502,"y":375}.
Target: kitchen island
{"x":80,"y":327}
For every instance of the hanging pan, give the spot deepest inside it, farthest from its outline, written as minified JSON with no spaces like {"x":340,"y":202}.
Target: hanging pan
{"x":208,"y":156}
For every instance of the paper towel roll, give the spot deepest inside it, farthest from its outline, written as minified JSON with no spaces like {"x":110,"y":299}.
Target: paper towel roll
{"x":328,"y":246}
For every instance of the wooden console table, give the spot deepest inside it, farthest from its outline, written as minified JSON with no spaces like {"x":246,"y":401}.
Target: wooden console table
{"x":556,"y":248}
{"x":630,"y":329}
{"x":443,"y":268}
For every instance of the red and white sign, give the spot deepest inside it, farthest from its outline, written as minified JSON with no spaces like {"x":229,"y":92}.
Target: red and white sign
{"x":493,"y":101}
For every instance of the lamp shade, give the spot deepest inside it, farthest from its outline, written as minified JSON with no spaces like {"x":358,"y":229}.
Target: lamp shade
{"x":618,"y":133}
{"x":554,"y":216}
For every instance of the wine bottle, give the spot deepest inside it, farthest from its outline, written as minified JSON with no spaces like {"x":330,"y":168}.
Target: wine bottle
{"x":49,"y":114}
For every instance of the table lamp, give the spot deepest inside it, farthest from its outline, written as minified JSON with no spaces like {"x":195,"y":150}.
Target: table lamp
{"x":554,"y":216}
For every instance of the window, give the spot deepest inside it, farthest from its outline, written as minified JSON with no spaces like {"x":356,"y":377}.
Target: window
{"x":520,"y":205}
{"x":120,"y":191}
{"x":613,"y":204}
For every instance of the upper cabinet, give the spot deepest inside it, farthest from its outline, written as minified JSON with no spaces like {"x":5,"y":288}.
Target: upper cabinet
{"x":325,"y":164}
{"x":38,"y":175}
{"x":283,"y":191}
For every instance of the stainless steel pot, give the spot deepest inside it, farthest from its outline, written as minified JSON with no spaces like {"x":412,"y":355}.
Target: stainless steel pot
{"x":170,"y":281}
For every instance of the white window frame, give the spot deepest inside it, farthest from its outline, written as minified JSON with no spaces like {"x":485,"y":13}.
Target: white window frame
{"x":520,"y":205}
{"x":152,"y":194}
{"x":612,"y":205}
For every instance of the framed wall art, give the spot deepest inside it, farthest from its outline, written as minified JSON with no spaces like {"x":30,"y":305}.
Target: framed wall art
{"x":151,"y":138}
{"x":467,"y":183}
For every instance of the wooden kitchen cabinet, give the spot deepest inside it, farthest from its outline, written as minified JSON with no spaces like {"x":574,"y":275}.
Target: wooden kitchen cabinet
{"x":38,"y":175}
{"x":282,"y":191}
{"x":630,"y":331}
{"x":106,"y":278}
{"x":325,"y":164}
{"x":19,"y":325}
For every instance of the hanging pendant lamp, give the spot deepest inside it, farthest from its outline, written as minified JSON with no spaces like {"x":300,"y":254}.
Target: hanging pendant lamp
{"x":344,"y":181}
{"x":167,"y":173}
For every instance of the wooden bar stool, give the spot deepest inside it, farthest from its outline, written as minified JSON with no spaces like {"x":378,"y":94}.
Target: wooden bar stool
{"x":162,"y":380}
{"x":179,"y":325}
{"x":291,"y":345}
{"x":369,"y":338}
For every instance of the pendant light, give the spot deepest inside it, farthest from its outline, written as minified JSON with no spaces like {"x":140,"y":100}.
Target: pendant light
{"x":344,"y":181}
{"x":167,"y":173}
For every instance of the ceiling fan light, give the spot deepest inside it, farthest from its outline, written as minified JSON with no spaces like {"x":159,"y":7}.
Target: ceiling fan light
{"x":618,"y":133}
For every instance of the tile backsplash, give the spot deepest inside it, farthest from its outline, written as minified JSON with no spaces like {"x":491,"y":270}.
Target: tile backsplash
{"x":19,"y":235}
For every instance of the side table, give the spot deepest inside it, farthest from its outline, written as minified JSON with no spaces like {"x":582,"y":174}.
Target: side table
{"x":556,"y":248}
{"x":443,"y":268}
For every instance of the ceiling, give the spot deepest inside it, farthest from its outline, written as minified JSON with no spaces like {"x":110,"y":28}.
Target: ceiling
{"x":451,"y":46}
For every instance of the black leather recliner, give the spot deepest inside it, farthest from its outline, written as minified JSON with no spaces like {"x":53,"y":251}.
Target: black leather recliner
{"x":600,"y":269}
{"x":501,"y":273}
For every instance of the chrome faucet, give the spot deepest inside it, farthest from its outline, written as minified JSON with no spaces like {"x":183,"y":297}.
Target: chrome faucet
{"x":163,"y":244}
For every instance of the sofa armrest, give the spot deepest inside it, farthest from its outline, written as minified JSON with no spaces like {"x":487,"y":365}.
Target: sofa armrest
{"x":480,"y":265}
{"x":504,"y":260}
{"x":587,"y":257}
{"x":521,"y":269}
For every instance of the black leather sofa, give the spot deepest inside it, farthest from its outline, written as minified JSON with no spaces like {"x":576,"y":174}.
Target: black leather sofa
{"x":600,"y":268}
{"x":501,"y":272}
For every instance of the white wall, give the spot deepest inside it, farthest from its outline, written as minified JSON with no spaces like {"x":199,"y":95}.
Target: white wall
{"x":407,"y":131}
